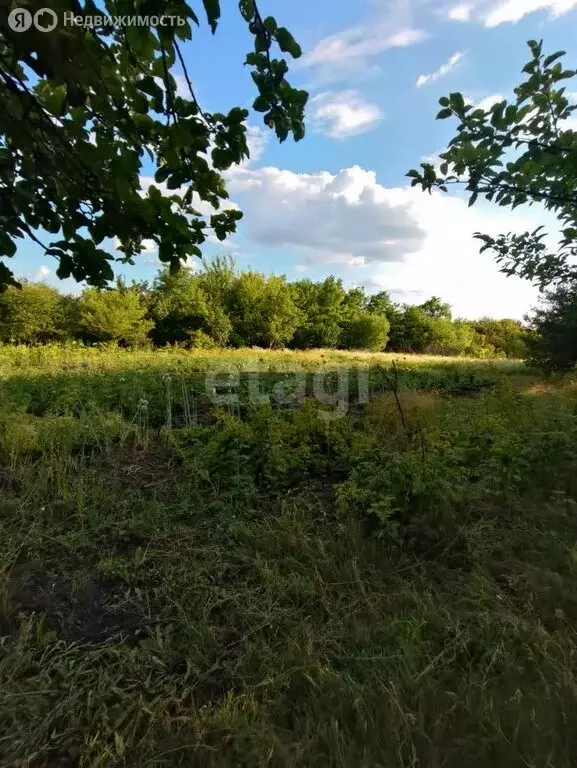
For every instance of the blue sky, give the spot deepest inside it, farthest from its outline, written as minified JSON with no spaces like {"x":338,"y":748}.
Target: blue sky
{"x":338,"y":202}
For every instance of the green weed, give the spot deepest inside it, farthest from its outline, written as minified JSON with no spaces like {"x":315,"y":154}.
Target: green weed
{"x":269,"y":586}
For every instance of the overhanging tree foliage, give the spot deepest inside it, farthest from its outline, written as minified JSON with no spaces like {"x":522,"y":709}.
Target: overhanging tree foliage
{"x":83,"y":106}
{"x":514,"y":153}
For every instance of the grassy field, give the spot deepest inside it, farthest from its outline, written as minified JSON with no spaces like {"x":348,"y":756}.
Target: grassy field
{"x":203,"y":565}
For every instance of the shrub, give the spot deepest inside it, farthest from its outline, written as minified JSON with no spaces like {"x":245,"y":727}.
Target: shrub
{"x":201,"y":340}
{"x":34,"y":314}
{"x":367,"y":331}
{"x":507,"y":337}
{"x":113,"y":316}
{"x":553,"y":343}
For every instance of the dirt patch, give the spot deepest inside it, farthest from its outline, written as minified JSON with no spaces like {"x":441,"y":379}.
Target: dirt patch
{"x":59,"y":761}
{"x":9,"y":483}
{"x":151,"y":470}
{"x":86,"y":614}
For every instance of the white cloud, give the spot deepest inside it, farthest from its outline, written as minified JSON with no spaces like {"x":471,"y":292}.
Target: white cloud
{"x":359,"y":44}
{"x":342,"y":114}
{"x":149,"y":246}
{"x":352,"y":50}
{"x":492,"y":13}
{"x":192,"y":265}
{"x":402,"y":239}
{"x":182,"y":88}
{"x":460,"y":12}
{"x":443,"y":70}
{"x":570,"y":124}
{"x":406,"y":37}
{"x":334,"y":218}
{"x":487,"y":102}
{"x":449,"y":264}
{"x":357,"y":261}
{"x":514,"y":10}
{"x":257,"y":140}
{"x":41,"y":273}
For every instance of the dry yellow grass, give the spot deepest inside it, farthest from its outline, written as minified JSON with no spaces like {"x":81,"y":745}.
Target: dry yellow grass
{"x":419,"y":410}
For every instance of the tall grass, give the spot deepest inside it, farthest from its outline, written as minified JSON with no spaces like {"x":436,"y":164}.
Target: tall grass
{"x":262,"y":586}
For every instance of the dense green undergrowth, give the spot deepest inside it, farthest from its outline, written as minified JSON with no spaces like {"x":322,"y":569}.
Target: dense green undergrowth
{"x":269,"y":585}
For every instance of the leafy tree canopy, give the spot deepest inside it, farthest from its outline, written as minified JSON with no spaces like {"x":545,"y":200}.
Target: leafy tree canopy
{"x":83,"y":106}
{"x":514,"y":153}
{"x":113,"y":316}
{"x":553,"y":343}
{"x":179,"y":308}
{"x":366,"y":330}
{"x":436,"y":308}
{"x":322,"y":306}
{"x":381,"y":304}
{"x":262,"y":311}
{"x":508,"y":336}
{"x":35,"y":314}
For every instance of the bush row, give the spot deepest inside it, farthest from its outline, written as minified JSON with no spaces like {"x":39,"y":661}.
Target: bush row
{"x":222,"y":307}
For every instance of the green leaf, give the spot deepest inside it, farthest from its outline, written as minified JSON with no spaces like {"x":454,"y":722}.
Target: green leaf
{"x":261,"y":43}
{"x":261,"y":104}
{"x":298,"y":130}
{"x":82,"y":173}
{"x":256,"y":59}
{"x":7,"y":245}
{"x":287,"y":43}
{"x":212,"y":9}
{"x":150,"y":86}
{"x":7,"y":278}
{"x":553,"y":57}
{"x":457,"y":101}
{"x":445,"y":113}
{"x":247,"y":9}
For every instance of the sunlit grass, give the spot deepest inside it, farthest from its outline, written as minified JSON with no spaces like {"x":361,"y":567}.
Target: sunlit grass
{"x":63,"y":357}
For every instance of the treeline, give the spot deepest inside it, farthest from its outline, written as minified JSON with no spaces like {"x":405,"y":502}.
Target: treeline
{"x":222,"y":307}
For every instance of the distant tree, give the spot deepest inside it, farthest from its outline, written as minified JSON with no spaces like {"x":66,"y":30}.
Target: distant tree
{"x":83,"y":106}
{"x":180,"y":308}
{"x":436,"y":308}
{"x":552,"y":345}
{"x":381,"y":304}
{"x":508,"y":337}
{"x":113,"y":315}
{"x":34,"y":314}
{"x":321,"y":308}
{"x":216,"y":278}
{"x":517,"y":153}
{"x":410,"y":330}
{"x":354,"y":303}
{"x":262,"y":311}
{"x":366,"y":331}
{"x":449,"y":338}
